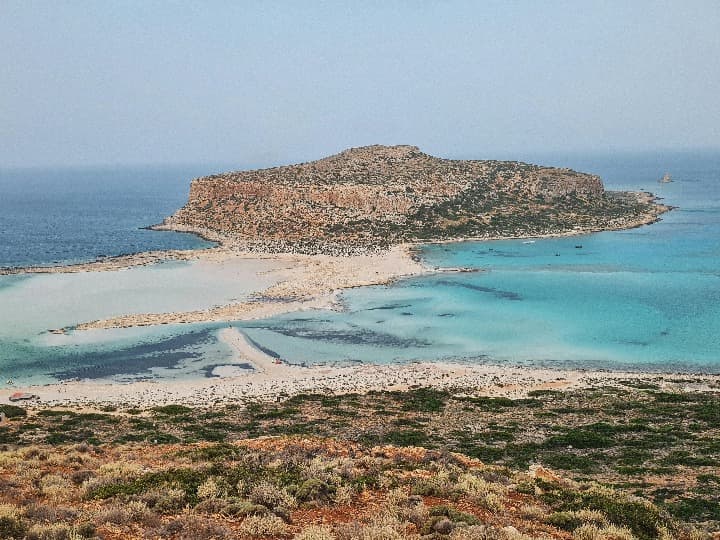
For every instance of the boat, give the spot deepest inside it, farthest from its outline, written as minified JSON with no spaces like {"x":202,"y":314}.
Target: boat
{"x":22,"y":396}
{"x":666,"y":179}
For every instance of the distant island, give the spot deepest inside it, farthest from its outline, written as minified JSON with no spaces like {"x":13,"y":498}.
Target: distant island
{"x":377,"y":196}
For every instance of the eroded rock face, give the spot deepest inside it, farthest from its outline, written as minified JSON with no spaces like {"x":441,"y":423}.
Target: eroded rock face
{"x":377,"y":195}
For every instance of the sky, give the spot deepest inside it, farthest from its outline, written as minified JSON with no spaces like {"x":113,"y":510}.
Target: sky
{"x":264,"y":83}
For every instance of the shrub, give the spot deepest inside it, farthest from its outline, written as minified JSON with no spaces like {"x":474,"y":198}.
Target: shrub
{"x":315,"y":532}
{"x":172,"y":410}
{"x":417,"y":514}
{"x":526,"y":487}
{"x":114,"y":514}
{"x":571,"y":520}
{"x":209,"y":489}
{"x":381,"y":527}
{"x":344,"y":495}
{"x":611,"y":532}
{"x":119,"y":470}
{"x":259,"y":526}
{"x":193,"y":528}
{"x":86,"y":530}
{"x":82,"y":447}
{"x":12,"y":528}
{"x":396,"y":497}
{"x":484,"y":493}
{"x":13,"y":411}
{"x":643,"y":518}
{"x":487,"y":532}
{"x":452,"y":514}
{"x":140,"y":513}
{"x":44,"y":513}
{"x":80,"y":477}
{"x":314,"y":490}
{"x":437,"y":524}
{"x":165,"y":500}
{"x":438,"y":485}
{"x":55,"y":531}
{"x":532,"y":512}
{"x":210,"y":506}
{"x":56,"y":487}
{"x":272,"y":496}
{"x":243,"y":509}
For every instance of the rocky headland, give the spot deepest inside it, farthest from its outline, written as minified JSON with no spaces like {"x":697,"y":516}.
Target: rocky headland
{"x":372,"y":197}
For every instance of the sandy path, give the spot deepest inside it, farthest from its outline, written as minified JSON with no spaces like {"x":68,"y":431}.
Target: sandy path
{"x":244,"y":350}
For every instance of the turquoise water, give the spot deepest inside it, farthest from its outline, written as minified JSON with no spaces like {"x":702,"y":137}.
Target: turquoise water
{"x":33,"y":304}
{"x":51,"y":216}
{"x":647,"y":298}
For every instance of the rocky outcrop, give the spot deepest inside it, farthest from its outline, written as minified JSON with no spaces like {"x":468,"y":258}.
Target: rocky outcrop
{"x":379,"y":195}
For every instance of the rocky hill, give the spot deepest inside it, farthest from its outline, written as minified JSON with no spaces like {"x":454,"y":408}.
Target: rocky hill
{"x":379,"y":195}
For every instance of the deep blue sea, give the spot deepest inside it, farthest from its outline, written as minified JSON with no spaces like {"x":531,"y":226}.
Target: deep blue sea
{"x":646,"y":298}
{"x":54,"y":216}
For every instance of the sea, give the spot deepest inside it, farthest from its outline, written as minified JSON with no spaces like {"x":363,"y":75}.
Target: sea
{"x":645,"y":299}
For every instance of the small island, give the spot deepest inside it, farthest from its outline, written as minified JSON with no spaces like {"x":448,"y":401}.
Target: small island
{"x":373,"y":197}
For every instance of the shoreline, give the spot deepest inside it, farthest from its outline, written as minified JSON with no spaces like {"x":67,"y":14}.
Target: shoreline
{"x":226,"y":245}
{"x":272,"y":379}
{"x":309,"y":281}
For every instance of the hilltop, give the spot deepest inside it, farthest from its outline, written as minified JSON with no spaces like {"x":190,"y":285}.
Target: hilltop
{"x":376,"y":196}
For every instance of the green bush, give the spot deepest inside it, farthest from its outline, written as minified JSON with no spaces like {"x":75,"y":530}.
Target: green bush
{"x":13,"y":411}
{"x":643,"y":518}
{"x":314,"y":490}
{"x":11,"y":528}
{"x":172,"y":410}
{"x":456,"y":516}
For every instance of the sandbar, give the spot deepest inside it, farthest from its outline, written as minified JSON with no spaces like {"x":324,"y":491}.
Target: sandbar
{"x":269,"y":381}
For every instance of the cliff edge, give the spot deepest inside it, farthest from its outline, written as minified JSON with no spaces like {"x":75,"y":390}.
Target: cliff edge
{"x":375,"y":196}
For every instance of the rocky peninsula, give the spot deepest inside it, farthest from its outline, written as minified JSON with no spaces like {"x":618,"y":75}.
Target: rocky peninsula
{"x":372,"y":197}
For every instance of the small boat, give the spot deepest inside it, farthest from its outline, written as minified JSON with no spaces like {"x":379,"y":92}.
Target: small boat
{"x":529,"y":242}
{"x":666,"y":179}
{"x":22,"y":396}
{"x":579,"y":246}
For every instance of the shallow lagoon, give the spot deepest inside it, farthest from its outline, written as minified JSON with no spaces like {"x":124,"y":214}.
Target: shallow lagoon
{"x":34,"y":304}
{"x":647,"y":298}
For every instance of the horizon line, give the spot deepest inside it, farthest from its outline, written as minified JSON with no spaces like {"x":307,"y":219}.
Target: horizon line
{"x":460,"y":156}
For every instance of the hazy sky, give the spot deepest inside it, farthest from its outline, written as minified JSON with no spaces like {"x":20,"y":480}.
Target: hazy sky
{"x":104,"y":82}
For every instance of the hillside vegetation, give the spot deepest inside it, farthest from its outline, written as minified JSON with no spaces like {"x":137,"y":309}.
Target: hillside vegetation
{"x":623,"y":462}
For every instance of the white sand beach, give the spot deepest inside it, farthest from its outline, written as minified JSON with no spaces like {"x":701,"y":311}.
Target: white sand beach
{"x":279,"y":283}
{"x":295,"y":283}
{"x":269,"y":380}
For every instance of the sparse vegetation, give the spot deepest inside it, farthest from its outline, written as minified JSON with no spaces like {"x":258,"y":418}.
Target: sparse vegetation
{"x":638,"y":463}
